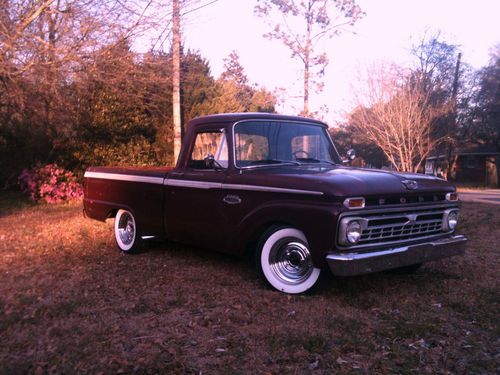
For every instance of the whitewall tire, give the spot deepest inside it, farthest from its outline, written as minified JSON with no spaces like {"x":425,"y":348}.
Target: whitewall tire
{"x":126,"y":236}
{"x":285,"y":261}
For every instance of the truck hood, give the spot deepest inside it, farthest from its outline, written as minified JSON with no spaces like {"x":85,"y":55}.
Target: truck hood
{"x":343,"y":181}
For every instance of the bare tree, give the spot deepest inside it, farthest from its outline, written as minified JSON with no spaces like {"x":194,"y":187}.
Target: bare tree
{"x":47,"y":48}
{"x":396,"y":114}
{"x":47,"y":42}
{"x":439,"y":72}
{"x":323,"y":19}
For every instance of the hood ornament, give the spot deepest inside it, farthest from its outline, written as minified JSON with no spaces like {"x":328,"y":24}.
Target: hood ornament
{"x":410,"y":184}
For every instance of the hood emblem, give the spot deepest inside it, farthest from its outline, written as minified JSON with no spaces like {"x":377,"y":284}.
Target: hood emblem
{"x":410,"y":184}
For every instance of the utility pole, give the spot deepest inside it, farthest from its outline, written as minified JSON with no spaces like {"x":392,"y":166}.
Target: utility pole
{"x":176,"y":76}
{"x":452,"y":123}
{"x":455,"y":81}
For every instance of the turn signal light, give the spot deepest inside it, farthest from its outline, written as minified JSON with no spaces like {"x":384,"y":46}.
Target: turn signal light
{"x":353,"y":203}
{"x":452,"y":197}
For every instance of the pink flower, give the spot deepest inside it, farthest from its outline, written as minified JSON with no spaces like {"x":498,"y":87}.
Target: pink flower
{"x":49,"y":183}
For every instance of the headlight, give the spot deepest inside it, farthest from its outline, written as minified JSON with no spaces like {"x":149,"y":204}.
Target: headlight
{"x":450,"y":220}
{"x":353,"y":232}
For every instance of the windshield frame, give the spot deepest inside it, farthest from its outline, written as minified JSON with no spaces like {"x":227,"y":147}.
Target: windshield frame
{"x":335,"y":155}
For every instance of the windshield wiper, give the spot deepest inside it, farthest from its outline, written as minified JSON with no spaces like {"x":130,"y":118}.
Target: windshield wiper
{"x":313,"y":160}
{"x":275,"y":161}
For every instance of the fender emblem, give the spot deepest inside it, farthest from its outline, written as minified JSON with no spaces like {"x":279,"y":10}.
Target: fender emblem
{"x":410,"y":184}
{"x":232,"y":199}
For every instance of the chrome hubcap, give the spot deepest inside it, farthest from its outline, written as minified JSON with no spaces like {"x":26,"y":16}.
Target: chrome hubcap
{"x":291,"y":262}
{"x":126,"y":229}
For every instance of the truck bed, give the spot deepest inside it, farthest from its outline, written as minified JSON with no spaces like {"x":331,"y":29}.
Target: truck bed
{"x":139,"y":190}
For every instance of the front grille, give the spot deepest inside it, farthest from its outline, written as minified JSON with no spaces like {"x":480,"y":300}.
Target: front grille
{"x":399,"y":228}
{"x":398,"y":225}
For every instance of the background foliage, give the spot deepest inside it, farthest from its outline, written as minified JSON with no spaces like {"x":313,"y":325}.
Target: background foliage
{"x":74,"y":92}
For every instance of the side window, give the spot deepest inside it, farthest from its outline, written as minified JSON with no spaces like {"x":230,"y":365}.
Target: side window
{"x":209,"y":143}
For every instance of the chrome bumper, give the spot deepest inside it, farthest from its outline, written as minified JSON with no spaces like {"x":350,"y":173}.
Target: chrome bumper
{"x":350,"y":264}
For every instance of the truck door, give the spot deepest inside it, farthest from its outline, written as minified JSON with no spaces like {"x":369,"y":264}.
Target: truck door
{"x":193,"y":195}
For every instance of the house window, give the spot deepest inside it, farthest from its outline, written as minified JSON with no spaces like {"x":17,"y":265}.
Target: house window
{"x":429,"y":167}
{"x":471,"y":161}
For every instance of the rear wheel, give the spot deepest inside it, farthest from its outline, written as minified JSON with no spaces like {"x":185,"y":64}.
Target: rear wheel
{"x":285,"y":261}
{"x":126,"y":235}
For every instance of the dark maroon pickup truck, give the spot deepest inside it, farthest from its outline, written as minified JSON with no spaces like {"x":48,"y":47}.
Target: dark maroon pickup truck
{"x":276,"y":184}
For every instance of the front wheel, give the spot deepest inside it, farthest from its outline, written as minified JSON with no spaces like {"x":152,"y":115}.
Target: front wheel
{"x":284,"y":260}
{"x":126,"y":235}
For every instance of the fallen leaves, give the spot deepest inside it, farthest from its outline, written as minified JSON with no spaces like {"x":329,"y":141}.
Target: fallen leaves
{"x":69,"y":302}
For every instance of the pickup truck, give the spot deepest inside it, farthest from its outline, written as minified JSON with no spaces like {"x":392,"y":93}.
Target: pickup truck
{"x":276,"y":185}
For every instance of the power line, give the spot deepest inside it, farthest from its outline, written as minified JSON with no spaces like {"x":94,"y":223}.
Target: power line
{"x":200,"y":7}
{"x":183,"y":14}
{"x":161,"y":35}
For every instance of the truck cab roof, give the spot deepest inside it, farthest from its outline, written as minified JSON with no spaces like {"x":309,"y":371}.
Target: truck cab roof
{"x":235,"y":117}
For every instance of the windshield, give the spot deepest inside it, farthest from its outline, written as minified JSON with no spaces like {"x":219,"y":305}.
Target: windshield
{"x":259,"y":143}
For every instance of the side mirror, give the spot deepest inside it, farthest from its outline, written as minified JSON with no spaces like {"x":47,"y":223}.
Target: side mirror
{"x":209,"y":161}
{"x":351,"y":155}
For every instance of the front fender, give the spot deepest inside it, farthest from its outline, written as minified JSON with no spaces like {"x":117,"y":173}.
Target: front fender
{"x":317,"y":221}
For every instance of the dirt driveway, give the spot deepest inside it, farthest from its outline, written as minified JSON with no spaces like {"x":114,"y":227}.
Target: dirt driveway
{"x":491,"y":196}
{"x":71,"y":303}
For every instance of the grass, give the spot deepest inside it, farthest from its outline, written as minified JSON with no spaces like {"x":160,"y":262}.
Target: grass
{"x":13,"y":202}
{"x":71,"y":303}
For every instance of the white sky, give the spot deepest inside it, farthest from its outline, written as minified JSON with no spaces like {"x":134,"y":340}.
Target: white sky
{"x":386,"y":33}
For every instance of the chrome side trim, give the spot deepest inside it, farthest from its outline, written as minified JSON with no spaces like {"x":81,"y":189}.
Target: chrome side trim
{"x":193,"y":184}
{"x":269,"y":189}
{"x":218,"y":185}
{"x":124,"y":177}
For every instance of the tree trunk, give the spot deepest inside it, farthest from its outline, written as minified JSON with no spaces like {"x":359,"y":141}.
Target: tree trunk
{"x":305,"y":110}
{"x":307,"y":62}
{"x":51,"y":69}
{"x":176,"y":91}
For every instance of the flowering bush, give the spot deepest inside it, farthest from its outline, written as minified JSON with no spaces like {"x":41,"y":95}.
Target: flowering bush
{"x":50,"y":183}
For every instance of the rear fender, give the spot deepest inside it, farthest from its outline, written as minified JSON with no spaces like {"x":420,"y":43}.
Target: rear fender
{"x":102,"y":210}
